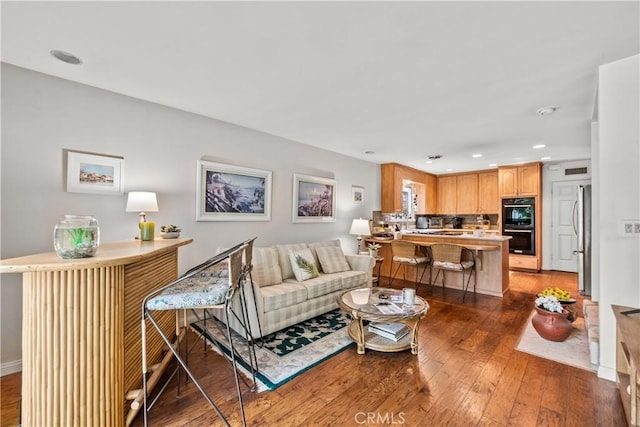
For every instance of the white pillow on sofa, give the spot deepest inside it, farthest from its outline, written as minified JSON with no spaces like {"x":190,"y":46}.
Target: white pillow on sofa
{"x":332,"y":259}
{"x":266,"y":268}
{"x":303,"y":264}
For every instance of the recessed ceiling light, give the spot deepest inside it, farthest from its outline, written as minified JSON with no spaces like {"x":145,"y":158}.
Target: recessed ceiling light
{"x":449,"y":170}
{"x":545,"y":111}
{"x":476,"y":156}
{"x":429,"y":162}
{"x":493,"y":165}
{"x":537,"y":146}
{"x":545,"y":158}
{"x":69,"y":58}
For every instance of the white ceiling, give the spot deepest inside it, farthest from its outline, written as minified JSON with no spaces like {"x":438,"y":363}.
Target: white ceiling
{"x":404,"y":80}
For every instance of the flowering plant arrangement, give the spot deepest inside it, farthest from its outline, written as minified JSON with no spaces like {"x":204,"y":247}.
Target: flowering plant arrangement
{"x":170,"y":228}
{"x":559,"y":293}
{"x":374,"y":246}
{"x":549,"y":303}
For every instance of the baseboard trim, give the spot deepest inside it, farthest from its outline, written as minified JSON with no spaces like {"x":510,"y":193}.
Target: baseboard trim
{"x":607,"y":373}
{"x":10,"y":367}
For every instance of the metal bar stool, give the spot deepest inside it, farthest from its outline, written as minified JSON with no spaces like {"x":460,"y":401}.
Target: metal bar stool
{"x":406,"y":253}
{"x":452,"y":257}
{"x":203,"y":287}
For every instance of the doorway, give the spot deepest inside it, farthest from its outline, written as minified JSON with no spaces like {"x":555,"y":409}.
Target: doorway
{"x":563,"y":235}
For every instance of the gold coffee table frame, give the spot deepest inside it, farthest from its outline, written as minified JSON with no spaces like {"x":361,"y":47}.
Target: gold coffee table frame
{"x":359,"y":313}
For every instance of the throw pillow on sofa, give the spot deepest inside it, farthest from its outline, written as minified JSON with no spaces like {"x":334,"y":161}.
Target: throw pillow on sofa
{"x":266,"y":268}
{"x":303,"y":264}
{"x":332,"y":259}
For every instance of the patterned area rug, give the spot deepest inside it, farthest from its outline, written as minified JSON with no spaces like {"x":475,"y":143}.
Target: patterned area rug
{"x":289,"y":352}
{"x":574,"y":351}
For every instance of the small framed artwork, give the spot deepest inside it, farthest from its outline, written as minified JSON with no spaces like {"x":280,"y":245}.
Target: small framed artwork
{"x":94,"y":173}
{"x":357,"y":194}
{"x":232,"y":193}
{"x":314,"y":199}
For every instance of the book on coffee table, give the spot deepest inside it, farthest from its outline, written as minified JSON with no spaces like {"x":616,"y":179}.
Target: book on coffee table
{"x":392,"y":331}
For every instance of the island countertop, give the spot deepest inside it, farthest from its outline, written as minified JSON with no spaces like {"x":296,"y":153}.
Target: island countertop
{"x":492,"y":259}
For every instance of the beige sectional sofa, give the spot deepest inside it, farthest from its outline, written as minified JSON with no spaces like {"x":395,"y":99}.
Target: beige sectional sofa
{"x":282,"y":299}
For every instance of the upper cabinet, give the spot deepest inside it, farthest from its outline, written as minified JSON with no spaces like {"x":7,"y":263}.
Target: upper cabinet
{"x":468,"y":194}
{"x":447,"y":197}
{"x":516,"y":181}
{"x":488,"y":199}
{"x":402,"y":185}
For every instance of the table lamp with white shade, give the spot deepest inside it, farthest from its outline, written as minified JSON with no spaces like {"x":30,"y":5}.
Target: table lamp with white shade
{"x":360,"y":227}
{"x":143,"y":202}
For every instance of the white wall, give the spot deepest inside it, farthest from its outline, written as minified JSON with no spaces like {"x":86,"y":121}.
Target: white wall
{"x":42,"y":115}
{"x":618,"y":197}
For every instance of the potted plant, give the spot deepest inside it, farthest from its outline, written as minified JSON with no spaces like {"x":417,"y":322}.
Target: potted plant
{"x":564,"y":297}
{"x":550,"y":319}
{"x":373,"y":249}
{"x":170,"y":231}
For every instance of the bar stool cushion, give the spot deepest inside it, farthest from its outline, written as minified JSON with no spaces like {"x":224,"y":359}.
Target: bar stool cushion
{"x":412,"y":260}
{"x":205,"y":289}
{"x":463,"y":265}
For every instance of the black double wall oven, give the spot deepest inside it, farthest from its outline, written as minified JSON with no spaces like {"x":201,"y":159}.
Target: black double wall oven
{"x":518,"y":221}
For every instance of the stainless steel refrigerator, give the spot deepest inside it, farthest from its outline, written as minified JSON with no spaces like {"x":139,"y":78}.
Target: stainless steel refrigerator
{"x":582,"y":228}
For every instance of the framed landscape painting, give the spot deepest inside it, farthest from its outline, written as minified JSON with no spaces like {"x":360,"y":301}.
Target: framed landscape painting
{"x":314,"y":199}
{"x":94,"y":173}
{"x":232,"y":193}
{"x":357,"y":194}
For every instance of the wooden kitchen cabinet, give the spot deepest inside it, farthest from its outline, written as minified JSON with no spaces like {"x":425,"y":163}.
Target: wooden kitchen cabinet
{"x":447,"y":195}
{"x":520,"y":181}
{"x":488,"y":199}
{"x":467,"y":194}
{"x":395,"y":177}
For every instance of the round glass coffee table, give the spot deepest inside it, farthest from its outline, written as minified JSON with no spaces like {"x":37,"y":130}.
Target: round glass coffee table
{"x":384,"y":305}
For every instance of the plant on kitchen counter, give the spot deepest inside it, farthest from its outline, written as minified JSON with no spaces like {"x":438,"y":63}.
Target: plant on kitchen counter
{"x":374,"y":246}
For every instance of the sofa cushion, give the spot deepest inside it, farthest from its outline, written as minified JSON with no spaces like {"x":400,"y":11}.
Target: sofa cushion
{"x":303,"y":264}
{"x":353,"y":279}
{"x":314,"y":249}
{"x":322,"y":285}
{"x":332,"y":259}
{"x":283,"y":257}
{"x":266,"y":268}
{"x":283,"y":295}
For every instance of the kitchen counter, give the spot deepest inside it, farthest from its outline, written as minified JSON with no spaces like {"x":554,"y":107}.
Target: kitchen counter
{"x":492,"y":259}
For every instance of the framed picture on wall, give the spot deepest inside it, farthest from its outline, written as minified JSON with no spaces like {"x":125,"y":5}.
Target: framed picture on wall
{"x":94,"y":173}
{"x":357,"y":194}
{"x":314,"y":199}
{"x":232,"y":193}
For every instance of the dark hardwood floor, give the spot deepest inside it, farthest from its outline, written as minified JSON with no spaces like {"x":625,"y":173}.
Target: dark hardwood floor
{"x":467,"y":373}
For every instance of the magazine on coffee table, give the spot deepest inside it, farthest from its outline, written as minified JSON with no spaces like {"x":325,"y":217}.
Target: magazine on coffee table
{"x":388,"y":308}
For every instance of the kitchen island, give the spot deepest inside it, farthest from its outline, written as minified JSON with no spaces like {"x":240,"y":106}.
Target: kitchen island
{"x":492,"y":259}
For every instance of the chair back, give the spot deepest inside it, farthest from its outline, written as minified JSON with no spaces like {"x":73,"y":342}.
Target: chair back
{"x":248,"y":254}
{"x":404,"y":249}
{"x":446,"y":252}
{"x":235,"y":268}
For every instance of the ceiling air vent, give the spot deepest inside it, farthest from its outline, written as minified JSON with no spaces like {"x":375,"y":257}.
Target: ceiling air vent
{"x":575,"y":171}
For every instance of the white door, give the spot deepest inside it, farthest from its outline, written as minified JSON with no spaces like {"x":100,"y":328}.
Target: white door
{"x":563,"y":235}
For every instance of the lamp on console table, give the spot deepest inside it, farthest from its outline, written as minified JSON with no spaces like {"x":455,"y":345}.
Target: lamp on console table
{"x":360,"y":227}
{"x":143,"y":201}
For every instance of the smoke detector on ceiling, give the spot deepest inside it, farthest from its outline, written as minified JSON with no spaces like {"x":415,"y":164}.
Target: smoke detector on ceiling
{"x":545,"y":111}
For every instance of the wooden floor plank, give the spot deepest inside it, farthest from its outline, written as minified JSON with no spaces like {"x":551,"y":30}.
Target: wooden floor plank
{"x":467,"y":372}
